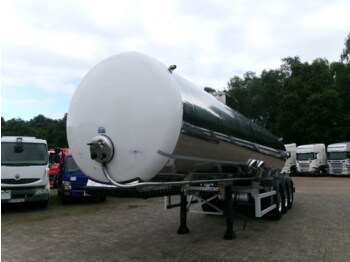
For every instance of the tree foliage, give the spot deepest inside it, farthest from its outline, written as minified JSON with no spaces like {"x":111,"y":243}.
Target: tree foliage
{"x":54,"y":131}
{"x":345,"y":55}
{"x":209,"y":89}
{"x":301,"y":102}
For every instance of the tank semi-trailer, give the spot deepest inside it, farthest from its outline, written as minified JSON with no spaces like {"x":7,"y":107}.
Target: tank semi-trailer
{"x":339,"y":158}
{"x":136,"y":124}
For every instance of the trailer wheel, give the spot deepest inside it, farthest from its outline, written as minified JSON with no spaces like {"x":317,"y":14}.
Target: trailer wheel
{"x":276,"y":214}
{"x":284,"y":194}
{"x":290,"y":193}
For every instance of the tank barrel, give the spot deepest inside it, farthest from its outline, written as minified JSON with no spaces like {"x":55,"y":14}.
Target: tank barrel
{"x":144,"y":108}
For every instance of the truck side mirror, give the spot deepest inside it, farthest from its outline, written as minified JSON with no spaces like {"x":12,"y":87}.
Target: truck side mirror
{"x":19,"y":145}
{"x":18,"y":148}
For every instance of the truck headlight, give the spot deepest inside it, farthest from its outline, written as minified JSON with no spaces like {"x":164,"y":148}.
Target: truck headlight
{"x":41,"y":191}
{"x":66,"y":185}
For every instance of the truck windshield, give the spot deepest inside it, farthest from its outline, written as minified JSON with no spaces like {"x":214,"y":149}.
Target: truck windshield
{"x":306,"y":156}
{"x":338,"y":155}
{"x":71,"y":166}
{"x":31,"y":155}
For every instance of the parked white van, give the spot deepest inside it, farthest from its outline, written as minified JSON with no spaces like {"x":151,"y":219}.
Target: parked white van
{"x":24,"y":170}
{"x":312,"y":159}
{"x":339,"y":158}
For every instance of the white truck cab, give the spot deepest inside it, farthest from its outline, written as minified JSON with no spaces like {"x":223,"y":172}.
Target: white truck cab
{"x":290,"y":165}
{"x":339,"y":158}
{"x":312,"y":159}
{"x":24,"y":170}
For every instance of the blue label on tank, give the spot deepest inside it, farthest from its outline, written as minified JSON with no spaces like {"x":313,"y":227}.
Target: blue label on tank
{"x":101,"y":130}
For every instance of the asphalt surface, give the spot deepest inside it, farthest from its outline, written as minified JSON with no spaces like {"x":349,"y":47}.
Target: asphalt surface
{"x":317,"y":228}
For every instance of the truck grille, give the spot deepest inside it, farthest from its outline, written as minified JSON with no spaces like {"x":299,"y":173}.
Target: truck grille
{"x":20,"y":181}
{"x":304,"y":167}
{"x":337,"y":167}
{"x":79,"y":184}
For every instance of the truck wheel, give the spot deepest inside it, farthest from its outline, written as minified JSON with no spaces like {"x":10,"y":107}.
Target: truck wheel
{"x":323,"y":172}
{"x":65,"y":199}
{"x":43,"y":204}
{"x":284,"y":194}
{"x":290,"y":193}
{"x":276,"y":214}
{"x":102,"y":198}
{"x":293,"y":171}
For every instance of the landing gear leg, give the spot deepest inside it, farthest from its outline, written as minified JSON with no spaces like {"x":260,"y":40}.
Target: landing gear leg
{"x":183,"y":229}
{"x":229,"y":234}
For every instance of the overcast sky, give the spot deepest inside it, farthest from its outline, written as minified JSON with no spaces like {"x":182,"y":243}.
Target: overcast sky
{"x":48,"y":46}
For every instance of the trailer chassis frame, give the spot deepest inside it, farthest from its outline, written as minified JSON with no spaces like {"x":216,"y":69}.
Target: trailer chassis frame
{"x":230,"y":194}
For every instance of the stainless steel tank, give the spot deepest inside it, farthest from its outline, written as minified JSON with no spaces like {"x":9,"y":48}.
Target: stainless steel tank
{"x":151,"y":119}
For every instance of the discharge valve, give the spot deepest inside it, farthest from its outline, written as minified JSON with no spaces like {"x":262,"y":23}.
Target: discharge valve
{"x":101,"y":149}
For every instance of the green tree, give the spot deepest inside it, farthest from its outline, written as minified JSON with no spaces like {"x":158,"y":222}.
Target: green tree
{"x":59,"y":133}
{"x":242,"y":90}
{"x":16,"y":127}
{"x":345,"y":55}
{"x":301,"y":102}
{"x":209,"y":90}
{"x":257,"y":96}
{"x":53,"y":131}
{"x":310,"y":104}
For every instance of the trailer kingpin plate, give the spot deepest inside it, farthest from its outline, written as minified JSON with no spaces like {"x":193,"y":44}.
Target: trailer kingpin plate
{"x":101,"y":149}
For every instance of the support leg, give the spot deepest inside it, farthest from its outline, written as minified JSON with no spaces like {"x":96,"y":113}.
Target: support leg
{"x":229,"y":234}
{"x":183,"y":215}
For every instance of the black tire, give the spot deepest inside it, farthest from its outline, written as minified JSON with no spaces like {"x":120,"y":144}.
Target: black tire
{"x":276,"y":214}
{"x":290,"y":194}
{"x":284,"y":195}
{"x":293,"y":171}
{"x":65,"y":199}
{"x":102,"y":198}
{"x":323,"y":172}
{"x":59,"y":193}
{"x":43,"y":204}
